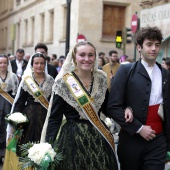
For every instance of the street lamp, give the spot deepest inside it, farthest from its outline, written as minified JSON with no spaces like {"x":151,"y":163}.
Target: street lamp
{"x":68,"y":27}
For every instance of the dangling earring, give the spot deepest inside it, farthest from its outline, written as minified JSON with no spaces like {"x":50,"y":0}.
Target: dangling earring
{"x":92,"y":69}
{"x":32,"y":70}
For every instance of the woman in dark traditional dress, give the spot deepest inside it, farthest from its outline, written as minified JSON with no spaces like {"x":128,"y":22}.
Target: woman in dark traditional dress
{"x":32,"y":100}
{"x":8,"y":89}
{"x":80,"y":94}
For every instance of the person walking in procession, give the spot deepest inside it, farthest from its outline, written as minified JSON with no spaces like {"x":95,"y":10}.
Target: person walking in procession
{"x":144,"y":86}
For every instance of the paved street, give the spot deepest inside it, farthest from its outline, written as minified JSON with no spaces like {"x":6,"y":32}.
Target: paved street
{"x":167,"y":167}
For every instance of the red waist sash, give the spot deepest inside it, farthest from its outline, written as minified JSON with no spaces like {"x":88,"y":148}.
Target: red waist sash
{"x":153,"y":119}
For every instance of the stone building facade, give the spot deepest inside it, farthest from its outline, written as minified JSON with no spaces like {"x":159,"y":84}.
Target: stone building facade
{"x":24,"y":23}
{"x":157,"y":13}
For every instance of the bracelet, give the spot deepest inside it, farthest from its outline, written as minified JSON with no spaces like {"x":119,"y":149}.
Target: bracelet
{"x":129,"y":109}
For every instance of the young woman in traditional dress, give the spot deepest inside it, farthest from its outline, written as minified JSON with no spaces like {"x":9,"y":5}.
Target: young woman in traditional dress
{"x":32,"y":100}
{"x":8,"y":89}
{"x":80,"y":94}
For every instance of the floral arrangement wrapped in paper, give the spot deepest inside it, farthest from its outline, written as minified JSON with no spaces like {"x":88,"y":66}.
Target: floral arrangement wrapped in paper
{"x":39,"y":156}
{"x":17,"y":120}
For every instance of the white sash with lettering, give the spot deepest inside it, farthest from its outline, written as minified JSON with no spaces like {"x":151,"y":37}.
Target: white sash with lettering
{"x":35,"y":90}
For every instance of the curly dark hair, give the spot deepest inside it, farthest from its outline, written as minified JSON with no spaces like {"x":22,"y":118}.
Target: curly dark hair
{"x":151,"y":33}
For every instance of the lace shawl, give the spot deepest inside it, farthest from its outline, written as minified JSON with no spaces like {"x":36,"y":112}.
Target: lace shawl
{"x":60,"y":88}
{"x":11,"y":83}
{"x":46,"y":88}
{"x":98,"y":92}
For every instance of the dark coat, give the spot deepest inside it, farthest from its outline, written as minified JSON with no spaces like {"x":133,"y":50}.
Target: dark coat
{"x":14,"y":66}
{"x":131,"y":86}
{"x":52,"y":70}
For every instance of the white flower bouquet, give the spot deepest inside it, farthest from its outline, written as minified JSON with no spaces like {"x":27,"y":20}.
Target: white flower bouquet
{"x":108,"y":122}
{"x":17,"y":120}
{"x":39,"y":156}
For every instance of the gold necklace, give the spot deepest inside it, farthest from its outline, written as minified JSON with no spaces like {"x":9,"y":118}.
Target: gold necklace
{"x":87,"y":83}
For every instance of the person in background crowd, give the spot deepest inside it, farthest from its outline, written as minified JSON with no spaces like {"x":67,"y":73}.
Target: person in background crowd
{"x":106,"y":60}
{"x":60,"y":63}
{"x":53,"y":57}
{"x":163,"y":62}
{"x":167,"y":64}
{"x":143,"y":86}
{"x":111,"y":68}
{"x":55,"y":63}
{"x":8,"y":55}
{"x":102,"y":54}
{"x":8,"y":89}
{"x":19,"y":64}
{"x":41,"y":47}
{"x":83,"y":135}
{"x":123,"y":59}
{"x":12,"y":57}
{"x":27,"y":57}
{"x":62,"y":56}
{"x":34,"y":107}
{"x":48,"y":59}
{"x":101,"y":63}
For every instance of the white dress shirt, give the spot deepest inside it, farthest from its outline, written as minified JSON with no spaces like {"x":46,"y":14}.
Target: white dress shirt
{"x":156,"y":79}
{"x":19,"y":66}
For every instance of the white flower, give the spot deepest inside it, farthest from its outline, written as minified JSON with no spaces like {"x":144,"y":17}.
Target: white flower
{"x":108,"y":122}
{"x":38,"y":151}
{"x":17,"y":117}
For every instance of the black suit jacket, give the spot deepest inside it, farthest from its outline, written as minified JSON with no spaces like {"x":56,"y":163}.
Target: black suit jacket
{"x":52,"y":70}
{"x":14,"y":65}
{"x":131,"y":86}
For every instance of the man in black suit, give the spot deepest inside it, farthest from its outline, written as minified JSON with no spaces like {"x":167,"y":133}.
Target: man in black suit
{"x":144,"y":86}
{"x":19,"y":64}
{"x":41,"y":47}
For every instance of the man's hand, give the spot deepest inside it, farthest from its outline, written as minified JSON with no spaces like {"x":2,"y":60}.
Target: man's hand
{"x":128,"y":115}
{"x":147,"y":133}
